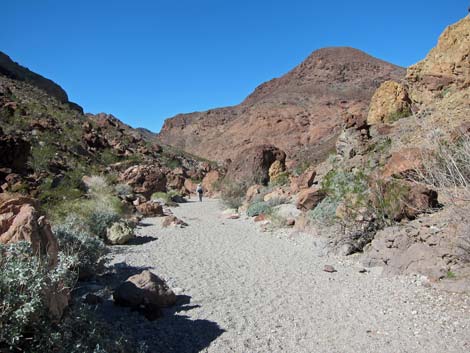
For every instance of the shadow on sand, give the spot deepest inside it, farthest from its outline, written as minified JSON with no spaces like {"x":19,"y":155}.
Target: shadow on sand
{"x":173,"y":332}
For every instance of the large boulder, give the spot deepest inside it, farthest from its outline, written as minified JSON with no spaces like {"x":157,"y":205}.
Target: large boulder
{"x":308,"y":199}
{"x":20,"y":221}
{"x":150,"y":209}
{"x":145,"y":179}
{"x":145,"y":290}
{"x":119,"y":233}
{"x":252,"y":165}
{"x":389,"y":103}
{"x":404,"y":163}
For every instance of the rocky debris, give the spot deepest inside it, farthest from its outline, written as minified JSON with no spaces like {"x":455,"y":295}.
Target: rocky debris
{"x":145,"y":291}
{"x":446,"y":65}
{"x":14,"y":152}
{"x":304,"y":180}
{"x":21,"y":221}
{"x":119,"y":233}
{"x":329,"y":268}
{"x":150,"y":209}
{"x":252,"y":165}
{"x":277,"y":194}
{"x":404,"y":163}
{"x":145,"y":179}
{"x":389,"y":103}
{"x":209,"y":183}
{"x":308,"y":199}
{"x":431,"y":245}
{"x":173,"y":221}
{"x":302,"y":108}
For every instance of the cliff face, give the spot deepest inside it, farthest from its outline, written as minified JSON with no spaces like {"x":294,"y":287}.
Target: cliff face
{"x":300,"y":112}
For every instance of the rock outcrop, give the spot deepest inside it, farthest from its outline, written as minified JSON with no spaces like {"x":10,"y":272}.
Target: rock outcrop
{"x":252,"y":164}
{"x":300,"y":112}
{"x":145,"y":179}
{"x":389,"y":103}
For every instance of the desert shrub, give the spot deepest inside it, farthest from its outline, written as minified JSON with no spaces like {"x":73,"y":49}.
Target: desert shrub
{"x":24,"y":279}
{"x":258,"y":208}
{"x":448,"y":168}
{"x":86,"y":250}
{"x":233,"y":193}
{"x":123,"y":189}
{"x":325,"y":212}
{"x":340,"y":185}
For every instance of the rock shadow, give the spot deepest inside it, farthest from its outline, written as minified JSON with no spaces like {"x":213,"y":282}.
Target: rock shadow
{"x":140,"y":240}
{"x":173,"y":332}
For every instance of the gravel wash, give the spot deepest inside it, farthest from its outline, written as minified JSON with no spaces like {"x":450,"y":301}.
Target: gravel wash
{"x":244,"y":290}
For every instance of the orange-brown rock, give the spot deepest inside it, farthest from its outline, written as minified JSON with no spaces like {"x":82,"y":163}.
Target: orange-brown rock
{"x":190,"y":186}
{"x":304,"y":180}
{"x":389,"y":103}
{"x":209,"y":182}
{"x":252,"y":165}
{"x":447,"y":64}
{"x":21,"y":221}
{"x":404,"y":162}
{"x":300,"y":112}
{"x":308,"y":199}
{"x":150,"y":209}
{"x":145,"y":179}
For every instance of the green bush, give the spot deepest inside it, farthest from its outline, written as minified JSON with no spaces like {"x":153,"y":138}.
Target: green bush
{"x":233,"y":193}
{"x":325,"y":212}
{"x":258,"y":208}
{"x":86,"y":250}
{"x":24,"y":278}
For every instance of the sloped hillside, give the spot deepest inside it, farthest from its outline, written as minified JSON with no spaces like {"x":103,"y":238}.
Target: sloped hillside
{"x":301,"y":112}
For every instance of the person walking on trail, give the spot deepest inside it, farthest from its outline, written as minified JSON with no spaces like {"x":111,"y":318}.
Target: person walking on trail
{"x":199,"y":191}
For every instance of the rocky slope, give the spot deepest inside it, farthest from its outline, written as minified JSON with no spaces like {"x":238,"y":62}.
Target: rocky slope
{"x":47,"y":145}
{"x":300,"y":112}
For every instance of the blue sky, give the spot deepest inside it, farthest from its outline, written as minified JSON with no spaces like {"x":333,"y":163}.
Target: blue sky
{"x":145,"y":60}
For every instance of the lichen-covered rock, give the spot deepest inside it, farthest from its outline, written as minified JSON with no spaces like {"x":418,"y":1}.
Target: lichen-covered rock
{"x":276,"y":169}
{"x":119,"y":233}
{"x":389,"y":103}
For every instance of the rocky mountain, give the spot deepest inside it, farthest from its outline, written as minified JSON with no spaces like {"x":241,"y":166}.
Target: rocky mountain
{"x":301,"y":112}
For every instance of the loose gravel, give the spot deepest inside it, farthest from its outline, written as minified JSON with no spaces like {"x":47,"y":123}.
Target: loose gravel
{"x":244,"y":290}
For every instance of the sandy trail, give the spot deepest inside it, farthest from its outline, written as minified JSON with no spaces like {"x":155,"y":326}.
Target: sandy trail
{"x":248,"y":291}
